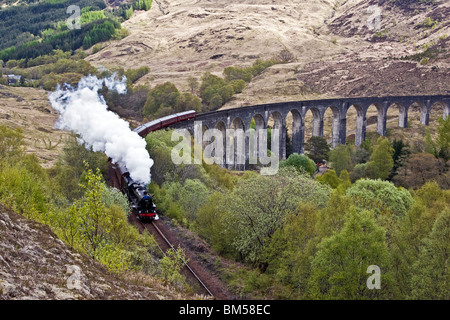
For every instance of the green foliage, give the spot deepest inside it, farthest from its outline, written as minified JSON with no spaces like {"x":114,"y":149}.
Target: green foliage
{"x":300,"y":162}
{"x":258,"y":204}
{"x":99,"y":33}
{"x":91,"y":211}
{"x":260,"y":65}
{"x":345,"y":180}
{"x":339,"y":268}
{"x":318,"y":149}
{"x":66,"y":40}
{"x":96,"y":221}
{"x":235,"y":73}
{"x":128,"y":13}
{"x":220,"y":175}
{"x":135,"y":74}
{"x":171,"y":265}
{"x":216,"y":91}
{"x":430,"y":278}
{"x":24,"y":191}
{"x":238,"y":85}
{"x":212,"y":220}
{"x":381,"y":161}
{"x":292,"y":246}
{"x":341,"y":159}
{"x":167,"y":97}
{"x":69,"y":171}
{"x":429,"y":23}
{"x":56,"y":68}
{"x":381,"y":197}
{"x":443,"y":138}
{"x":190,"y":196}
{"x":142,"y":4}
{"x":21,"y":23}
{"x":162,"y":96}
{"x":23,"y":184}
{"x":330,"y":178}
{"x":429,"y":202}
{"x":358,"y":172}
{"x":11,"y":143}
{"x":89,"y":16}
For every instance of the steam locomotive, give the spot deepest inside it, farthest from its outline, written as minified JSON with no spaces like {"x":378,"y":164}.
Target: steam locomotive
{"x":137,"y":194}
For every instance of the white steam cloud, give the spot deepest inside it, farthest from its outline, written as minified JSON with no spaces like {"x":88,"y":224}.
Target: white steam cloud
{"x":83,"y":111}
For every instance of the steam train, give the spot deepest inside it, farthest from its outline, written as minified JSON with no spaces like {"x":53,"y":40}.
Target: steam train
{"x":137,"y":194}
{"x":160,"y":123}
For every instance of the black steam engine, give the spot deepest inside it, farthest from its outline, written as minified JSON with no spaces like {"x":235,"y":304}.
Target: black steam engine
{"x":142,"y":202}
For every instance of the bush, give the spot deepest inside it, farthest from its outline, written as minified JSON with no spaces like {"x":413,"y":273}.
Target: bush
{"x":165,"y":99}
{"x":300,"y":162}
{"x":235,"y":73}
{"x":381,"y":197}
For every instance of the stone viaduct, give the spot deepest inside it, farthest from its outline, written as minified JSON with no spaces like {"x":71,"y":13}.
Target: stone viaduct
{"x":240,"y":118}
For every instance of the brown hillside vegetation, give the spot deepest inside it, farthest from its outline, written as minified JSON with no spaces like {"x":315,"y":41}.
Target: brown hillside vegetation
{"x":35,"y":264}
{"x":335,"y":54}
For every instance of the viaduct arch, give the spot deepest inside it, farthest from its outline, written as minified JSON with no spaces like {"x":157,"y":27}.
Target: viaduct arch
{"x":277,"y":113}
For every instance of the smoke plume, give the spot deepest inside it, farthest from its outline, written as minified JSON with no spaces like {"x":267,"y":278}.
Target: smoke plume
{"x":83,"y":111}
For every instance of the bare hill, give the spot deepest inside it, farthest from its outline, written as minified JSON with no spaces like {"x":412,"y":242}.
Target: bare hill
{"x":336,"y":54}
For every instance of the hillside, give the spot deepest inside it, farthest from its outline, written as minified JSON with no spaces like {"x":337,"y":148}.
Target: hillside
{"x":335,"y":52}
{"x":178,"y":39}
{"x":35,"y":264}
{"x":30,"y":110}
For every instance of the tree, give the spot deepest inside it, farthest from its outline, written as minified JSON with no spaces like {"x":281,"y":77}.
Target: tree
{"x":193,"y":84}
{"x":215,"y":91}
{"x":128,"y":13}
{"x":11,"y":143}
{"x":382,"y":197}
{"x":257,"y":207}
{"x":188,"y":101}
{"x":300,"y":162}
{"x":358,"y":172}
{"x":407,"y":242}
{"x":340,"y":159}
{"x":421,"y":168}
{"x":171,"y":265}
{"x":381,"y":162}
{"x":330,"y":178}
{"x":443,"y":138}
{"x":213,"y":224}
{"x":359,"y":155}
{"x":339,"y":268}
{"x":190,"y":196}
{"x":289,"y":252}
{"x":95,"y":224}
{"x":431,"y":277}
{"x":236,"y":73}
{"x":345,"y":178}
{"x":285,"y":56}
{"x":161,"y":96}
{"x":318,"y":149}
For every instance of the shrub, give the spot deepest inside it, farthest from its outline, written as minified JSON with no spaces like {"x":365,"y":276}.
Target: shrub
{"x":382,"y":197}
{"x":300,"y":162}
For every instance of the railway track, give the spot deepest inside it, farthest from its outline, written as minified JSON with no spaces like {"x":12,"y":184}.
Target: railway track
{"x":169,"y":246}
